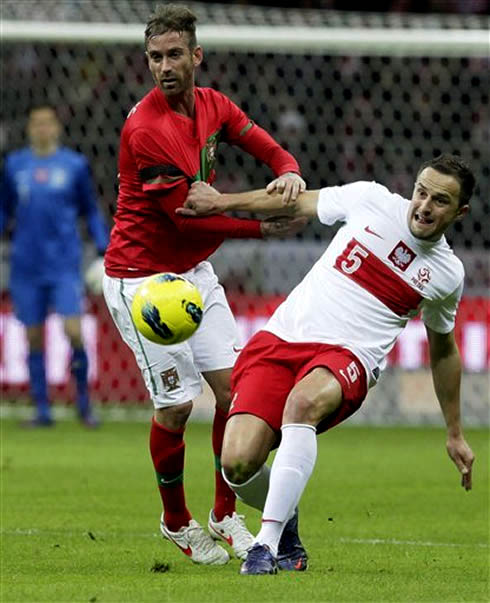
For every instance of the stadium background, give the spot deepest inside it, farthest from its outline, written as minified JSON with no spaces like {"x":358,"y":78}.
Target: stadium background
{"x":346,"y":112}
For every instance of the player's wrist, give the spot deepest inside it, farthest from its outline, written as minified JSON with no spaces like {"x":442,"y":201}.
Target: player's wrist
{"x":226,"y":202}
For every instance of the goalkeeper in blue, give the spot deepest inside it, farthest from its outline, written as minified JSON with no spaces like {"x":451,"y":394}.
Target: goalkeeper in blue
{"x":45,"y":189}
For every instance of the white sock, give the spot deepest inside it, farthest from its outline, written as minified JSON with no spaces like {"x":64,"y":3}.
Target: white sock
{"x":290,"y":472}
{"x":253,"y":492}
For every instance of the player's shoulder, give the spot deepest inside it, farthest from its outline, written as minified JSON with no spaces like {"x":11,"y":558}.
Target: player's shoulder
{"x":72,"y":157}
{"x":454,"y":263}
{"x":18,"y":156}
{"x":211,"y":96}
{"x":384,"y":193}
{"x":144,"y":111}
{"x":206,"y":93}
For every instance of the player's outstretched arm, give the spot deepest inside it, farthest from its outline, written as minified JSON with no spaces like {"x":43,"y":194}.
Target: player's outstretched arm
{"x":446,"y":374}
{"x":204,"y":200}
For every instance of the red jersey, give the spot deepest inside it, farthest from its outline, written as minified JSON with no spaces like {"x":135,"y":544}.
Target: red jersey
{"x":161,"y":153}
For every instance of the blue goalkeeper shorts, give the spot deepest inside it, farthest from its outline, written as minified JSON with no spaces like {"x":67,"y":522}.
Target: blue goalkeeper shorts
{"x":33,"y":300}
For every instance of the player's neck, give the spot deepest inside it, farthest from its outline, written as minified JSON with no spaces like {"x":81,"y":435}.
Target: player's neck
{"x":42,"y":150}
{"x":183,"y":104}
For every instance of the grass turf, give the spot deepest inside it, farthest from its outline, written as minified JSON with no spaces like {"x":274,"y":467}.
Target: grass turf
{"x":383,"y":519}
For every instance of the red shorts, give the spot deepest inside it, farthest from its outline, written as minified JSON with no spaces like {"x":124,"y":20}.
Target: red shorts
{"x":268,"y":368}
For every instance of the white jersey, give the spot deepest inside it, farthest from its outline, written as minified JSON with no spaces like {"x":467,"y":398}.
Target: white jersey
{"x":373,"y":277}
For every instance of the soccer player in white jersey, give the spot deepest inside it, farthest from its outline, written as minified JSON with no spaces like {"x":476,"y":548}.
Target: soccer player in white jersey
{"x":326,"y":344}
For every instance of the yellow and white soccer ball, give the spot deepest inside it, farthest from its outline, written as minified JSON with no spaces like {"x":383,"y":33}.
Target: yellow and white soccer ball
{"x":167,"y":308}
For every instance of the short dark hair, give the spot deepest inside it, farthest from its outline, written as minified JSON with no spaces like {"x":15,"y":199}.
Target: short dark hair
{"x":453,"y":165}
{"x":172,"y":17}
{"x":41,"y":106}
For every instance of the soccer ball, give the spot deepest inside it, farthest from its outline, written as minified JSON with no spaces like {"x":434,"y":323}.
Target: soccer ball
{"x":167,"y":308}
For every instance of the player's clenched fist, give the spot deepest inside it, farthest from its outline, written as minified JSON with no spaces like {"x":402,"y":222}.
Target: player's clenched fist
{"x":202,"y":200}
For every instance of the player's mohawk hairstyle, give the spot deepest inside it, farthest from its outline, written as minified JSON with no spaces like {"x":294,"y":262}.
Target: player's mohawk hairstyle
{"x":172,"y":17}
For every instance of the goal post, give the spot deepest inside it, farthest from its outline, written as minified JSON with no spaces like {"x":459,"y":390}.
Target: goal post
{"x":277,"y":39}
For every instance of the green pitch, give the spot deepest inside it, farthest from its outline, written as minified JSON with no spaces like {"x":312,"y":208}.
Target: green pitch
{"x":383,"y":519}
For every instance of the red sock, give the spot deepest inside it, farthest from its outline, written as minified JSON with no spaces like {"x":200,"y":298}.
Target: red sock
{"x":167,"y":452}
{"x":224,"y":499}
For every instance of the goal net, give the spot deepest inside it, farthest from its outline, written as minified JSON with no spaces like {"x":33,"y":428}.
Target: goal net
{"x":352,"y":96}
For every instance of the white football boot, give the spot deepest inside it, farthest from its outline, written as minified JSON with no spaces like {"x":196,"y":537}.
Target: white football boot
{"x":197,"y":544}
{"x":233,"y":531}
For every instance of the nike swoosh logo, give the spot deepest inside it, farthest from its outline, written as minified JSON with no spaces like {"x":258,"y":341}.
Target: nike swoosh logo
{"x":236,"y":349}
{"x":167,"y":482}
{"x":228,"y":539}
{"x":187,"y":550}
{"x":368,"y":230}
{"x":232,"y":403}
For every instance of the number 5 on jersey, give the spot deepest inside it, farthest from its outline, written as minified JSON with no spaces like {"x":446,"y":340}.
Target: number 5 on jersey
{"x":354,"y":259}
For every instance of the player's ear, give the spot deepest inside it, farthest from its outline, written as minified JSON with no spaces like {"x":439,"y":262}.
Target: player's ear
{"x":462,"y":211}
{"x":147,"y":57}
{"x":197,"y":56}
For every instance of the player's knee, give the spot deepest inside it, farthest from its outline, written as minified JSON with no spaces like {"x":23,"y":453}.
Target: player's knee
{"x":223,"y":397}
{"x":239,"y":465}
{"x":35,"y":338}
{"x":240,"y":472}
{"x":173,"y":417}
{"x":74,"y":335}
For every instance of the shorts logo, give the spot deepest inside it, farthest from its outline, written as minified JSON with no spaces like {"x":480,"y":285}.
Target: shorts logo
{"x":235,"y":396}
{"x":402,"y":256}
{"x":423,"y":277}
{"x":170,"y":379}
{"x":353,"y":373}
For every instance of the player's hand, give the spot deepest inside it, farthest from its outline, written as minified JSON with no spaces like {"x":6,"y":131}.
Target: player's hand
{"x":462,"y":456}
{"x":202,"y":200}
{"x":282,"y":226}
{"x":289,"y":184}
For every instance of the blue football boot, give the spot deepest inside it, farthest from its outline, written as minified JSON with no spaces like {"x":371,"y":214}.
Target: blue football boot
{"x":291,"y":554}
{"x":259,"y":561}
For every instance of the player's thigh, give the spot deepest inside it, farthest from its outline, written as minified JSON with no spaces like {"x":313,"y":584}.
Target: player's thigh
{"x":261,"y":381}
{"x":215,"y":343}
{"x":168,"y":371}
{"x":66,"y":295}
{"x":314,"y":397}
{"x":30,"y":300}
{"x":330,"y":387}
{"x":247,"y":442}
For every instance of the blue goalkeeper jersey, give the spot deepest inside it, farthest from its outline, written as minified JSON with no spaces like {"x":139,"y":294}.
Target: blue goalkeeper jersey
{"x":46,"y":195}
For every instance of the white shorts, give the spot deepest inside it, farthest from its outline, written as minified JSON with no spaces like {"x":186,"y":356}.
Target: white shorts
{"x":172,"y":373}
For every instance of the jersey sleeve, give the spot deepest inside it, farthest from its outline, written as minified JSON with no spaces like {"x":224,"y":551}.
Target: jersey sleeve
{"x":214,"y":226}
{"x":243,"y":132}
{"x":336,"y":203}
{"x":156,"y":170}
{"x":440,"y":315}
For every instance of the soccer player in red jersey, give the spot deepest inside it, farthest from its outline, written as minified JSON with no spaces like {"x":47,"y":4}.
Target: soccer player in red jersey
{"x":327,"y":343}
{"x":168,"y":141}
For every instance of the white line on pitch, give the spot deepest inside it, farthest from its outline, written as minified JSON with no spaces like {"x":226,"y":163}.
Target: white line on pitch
{"x":393,"y":541}
{"x":409,"y":542}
